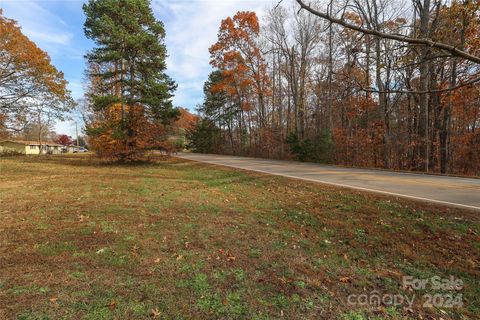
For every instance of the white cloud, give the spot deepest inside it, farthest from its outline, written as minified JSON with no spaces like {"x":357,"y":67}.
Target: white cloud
{"x":192,"y":28}
{"x":38,"y":23}
{"x":76,"y":88}
{"x":51,"y":38}
{"x":66,"y":127}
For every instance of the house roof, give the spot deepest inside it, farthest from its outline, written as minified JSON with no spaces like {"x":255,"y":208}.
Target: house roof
{"x":29,"y":143}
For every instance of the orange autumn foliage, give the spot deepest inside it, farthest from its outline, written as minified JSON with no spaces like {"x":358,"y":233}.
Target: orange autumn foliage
{"x":186,"y":120}
{"x":346,"y":97}
{"x":110,"y":142}
{"x":32,"y":90}
{"x":28,"y":62}
{"x":238,"y":56}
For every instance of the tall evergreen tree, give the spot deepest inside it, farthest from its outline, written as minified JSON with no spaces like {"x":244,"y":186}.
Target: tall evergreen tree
{"x":215,"y":100}
{"x":127,"y":72}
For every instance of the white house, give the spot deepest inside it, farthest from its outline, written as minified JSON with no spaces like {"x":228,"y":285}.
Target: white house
{"x":30,"y":147}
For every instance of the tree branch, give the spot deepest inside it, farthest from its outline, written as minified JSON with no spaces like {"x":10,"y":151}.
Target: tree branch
{"x":463,"y":84}
{"x":424,"y":42}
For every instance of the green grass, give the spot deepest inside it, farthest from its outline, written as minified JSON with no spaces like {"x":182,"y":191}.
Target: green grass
{"x":82,"y":239}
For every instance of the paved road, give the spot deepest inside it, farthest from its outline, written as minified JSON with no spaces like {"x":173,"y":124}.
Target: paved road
{"x":459,"y":192}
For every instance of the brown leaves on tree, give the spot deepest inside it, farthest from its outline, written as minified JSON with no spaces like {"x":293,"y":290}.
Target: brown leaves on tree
{"x":111,"y":143}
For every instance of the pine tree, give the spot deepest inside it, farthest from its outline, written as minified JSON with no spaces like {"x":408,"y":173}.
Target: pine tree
{"x":127,"y":66}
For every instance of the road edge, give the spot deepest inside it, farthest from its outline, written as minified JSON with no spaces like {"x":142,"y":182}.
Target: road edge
{"x":450,"y":204}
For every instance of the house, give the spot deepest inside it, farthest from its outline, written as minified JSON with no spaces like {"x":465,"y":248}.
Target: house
{"x":30,"y":147}
{"x":72,"y":149}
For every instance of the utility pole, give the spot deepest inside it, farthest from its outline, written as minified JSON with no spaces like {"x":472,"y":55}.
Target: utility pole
{"x":76,"y":132}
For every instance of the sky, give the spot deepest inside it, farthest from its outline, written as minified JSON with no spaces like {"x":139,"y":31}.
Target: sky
{"x":56,"y":26}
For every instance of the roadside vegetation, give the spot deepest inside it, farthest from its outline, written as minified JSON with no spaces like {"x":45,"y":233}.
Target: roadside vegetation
{"x":361,"y":83}
{"x":82,"y":239}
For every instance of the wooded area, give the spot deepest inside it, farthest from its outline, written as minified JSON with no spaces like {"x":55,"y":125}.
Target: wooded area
{"x":373,"y":83}
{"x":294,"y":84}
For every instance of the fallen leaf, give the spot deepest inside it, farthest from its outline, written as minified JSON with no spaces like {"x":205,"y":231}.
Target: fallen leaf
{"x":155,"y":313}
{"x":472,"y":263}
{"x":112,"y":305}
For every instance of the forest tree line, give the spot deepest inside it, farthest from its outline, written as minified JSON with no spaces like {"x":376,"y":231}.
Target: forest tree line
{"x":292,"y":85}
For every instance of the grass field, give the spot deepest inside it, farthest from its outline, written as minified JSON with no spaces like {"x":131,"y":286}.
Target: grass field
{"x":179,"y":240}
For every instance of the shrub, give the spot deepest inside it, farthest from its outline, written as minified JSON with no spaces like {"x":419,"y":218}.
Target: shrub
{"x":204,"y":137}
{"x":318,"y":149}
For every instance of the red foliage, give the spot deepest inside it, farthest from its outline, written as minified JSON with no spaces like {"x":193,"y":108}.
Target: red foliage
{"x":64,"y":140}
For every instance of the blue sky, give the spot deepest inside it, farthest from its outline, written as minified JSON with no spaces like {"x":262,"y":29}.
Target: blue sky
{"x":191,"y":25}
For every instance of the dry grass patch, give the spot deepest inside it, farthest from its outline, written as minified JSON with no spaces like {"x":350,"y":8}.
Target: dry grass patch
{"x":81,"y":239}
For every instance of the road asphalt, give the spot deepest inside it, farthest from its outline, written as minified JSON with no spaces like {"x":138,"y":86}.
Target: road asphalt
{"x":447,"y":190}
